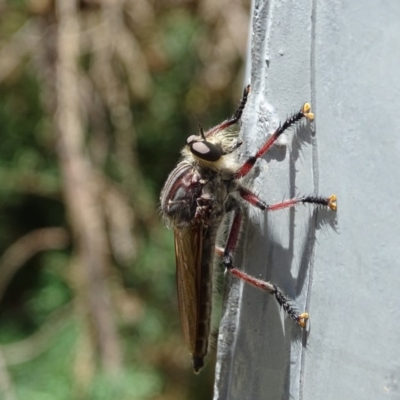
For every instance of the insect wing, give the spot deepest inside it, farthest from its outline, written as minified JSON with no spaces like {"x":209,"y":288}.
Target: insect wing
{"x":188,"y":250}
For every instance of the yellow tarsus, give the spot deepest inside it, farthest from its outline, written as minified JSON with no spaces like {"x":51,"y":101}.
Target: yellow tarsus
{"x":332,"y":202}
{"x":302,"y":320}
{"x":306,"y":110}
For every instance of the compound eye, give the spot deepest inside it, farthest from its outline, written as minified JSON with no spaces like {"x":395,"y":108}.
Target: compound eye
{"x":191,"y":139}
{"x":206,"y":151}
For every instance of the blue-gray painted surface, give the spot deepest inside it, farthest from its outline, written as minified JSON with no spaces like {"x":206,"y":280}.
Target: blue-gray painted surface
{"x":343,"y":268}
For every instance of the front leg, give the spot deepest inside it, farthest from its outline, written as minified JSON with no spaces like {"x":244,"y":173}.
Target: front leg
{"x":305,"y":112}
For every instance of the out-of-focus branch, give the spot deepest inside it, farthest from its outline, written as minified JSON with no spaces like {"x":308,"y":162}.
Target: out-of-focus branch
{"x":118,"y":44}
{"x":34,"y":345}
{"x":25,"y":248}
{"x":81,"y":189}
{"x":24,"y":41}
{"x":119,"y":216}
{"x":6,"y":386}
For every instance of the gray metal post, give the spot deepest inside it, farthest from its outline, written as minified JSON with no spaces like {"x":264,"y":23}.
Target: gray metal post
{"x":344,"y":269}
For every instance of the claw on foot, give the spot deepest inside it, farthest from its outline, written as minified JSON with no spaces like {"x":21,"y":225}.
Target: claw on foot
{"x":302,"y":319}
{"x":306,"y":110}
{"x":332,"y":202}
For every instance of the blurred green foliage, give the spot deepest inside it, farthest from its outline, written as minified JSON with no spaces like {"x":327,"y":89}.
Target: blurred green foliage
{"x":156,"y":363}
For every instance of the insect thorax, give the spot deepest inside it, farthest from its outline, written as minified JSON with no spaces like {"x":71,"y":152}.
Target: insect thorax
{"x":193,"y":194}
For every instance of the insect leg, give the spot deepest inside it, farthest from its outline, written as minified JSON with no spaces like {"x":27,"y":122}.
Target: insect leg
{"x":281,"y":298}
{"x":243,"y":101}
{"x":312,"y":199}
{"x":305,"y":112}
{"x":236,"y":117}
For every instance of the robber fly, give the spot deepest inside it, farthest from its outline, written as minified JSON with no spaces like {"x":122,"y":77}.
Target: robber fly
{"x":205,"y":186}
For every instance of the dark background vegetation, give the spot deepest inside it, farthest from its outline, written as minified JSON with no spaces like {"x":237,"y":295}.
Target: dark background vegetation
{"x":96,"y":99}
